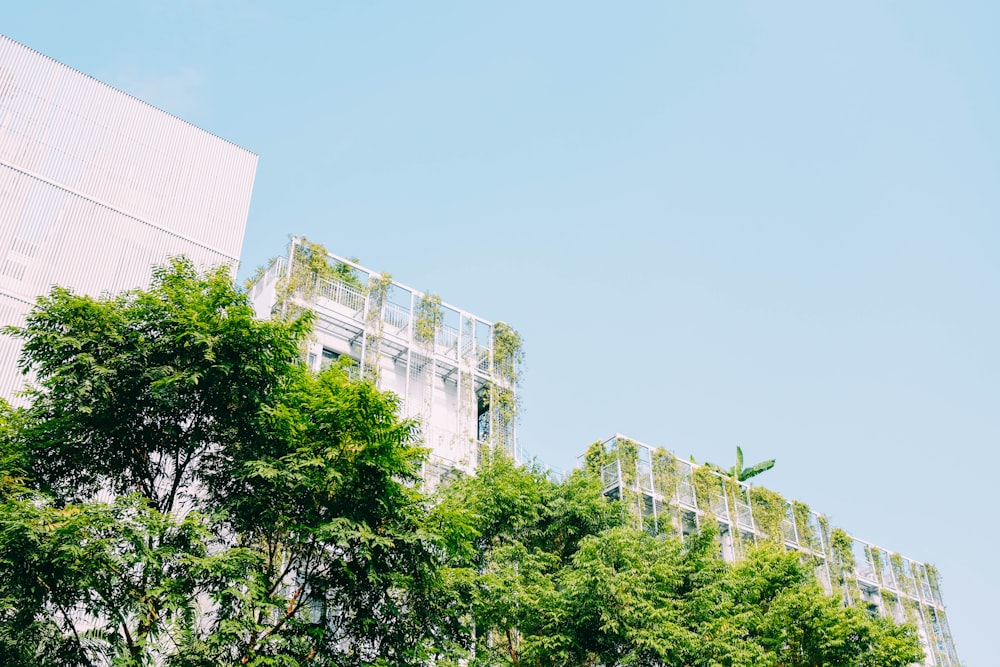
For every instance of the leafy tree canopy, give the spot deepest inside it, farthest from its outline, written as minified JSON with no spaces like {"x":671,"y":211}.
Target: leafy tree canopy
{"x":181,"y":491}
{"x":556,"y":578}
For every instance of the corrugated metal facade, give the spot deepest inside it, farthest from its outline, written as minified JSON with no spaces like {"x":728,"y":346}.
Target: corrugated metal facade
{"x":96,"y":186}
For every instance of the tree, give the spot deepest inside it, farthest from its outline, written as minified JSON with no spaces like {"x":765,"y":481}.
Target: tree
{"x":329,"y":511}
{"x":515,"y":530}
{"x":769,"y":610}
{"x":553,"y":578}
{"x":180,"y":490}
{"x":137,"y":392}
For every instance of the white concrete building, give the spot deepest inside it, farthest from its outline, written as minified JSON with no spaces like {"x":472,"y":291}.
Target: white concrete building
{"x":97,"y":186}
{"x":454,"y":371}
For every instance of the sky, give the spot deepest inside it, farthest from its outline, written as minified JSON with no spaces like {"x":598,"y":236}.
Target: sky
{"x":766,"y":224}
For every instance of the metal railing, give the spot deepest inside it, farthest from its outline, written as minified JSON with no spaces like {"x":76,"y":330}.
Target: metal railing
{"x":342,"y":293}
{"x":446,"y":338}
{"x":395,"y":316}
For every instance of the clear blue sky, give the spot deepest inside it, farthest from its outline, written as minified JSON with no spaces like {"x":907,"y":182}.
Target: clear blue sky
{"x":773,"y":225}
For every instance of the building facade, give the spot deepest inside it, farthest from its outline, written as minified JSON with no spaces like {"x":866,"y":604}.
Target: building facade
{"x":665,"y":494}
{"x":96,"y":187}
{"x":455,"y":372}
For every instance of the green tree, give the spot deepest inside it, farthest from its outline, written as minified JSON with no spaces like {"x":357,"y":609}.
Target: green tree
{"x":622,"y":602}
{"x":329,"y":510}
{"x":767,"y":609}
{"x":514,"y":531}
{"x":180,"y":490}
{"x":553,"y":578}
{"x":136,"y":393}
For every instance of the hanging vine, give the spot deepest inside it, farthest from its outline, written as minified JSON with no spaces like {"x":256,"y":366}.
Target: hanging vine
{"x":664,"y":474}
{"x":596,"y":458}
{"x":803,"y":525}
{"x":428,"y":318}
{"x":310,"y":266}
{"x":842,"y":551}
{"x":903,"y":579}
{"x":508,"y":352}
{"x":628,"y":456}
{"x":707,"y":487}
{"x":769,"y":510}
{"x":377,"y":292}
{"x":508,"y":358}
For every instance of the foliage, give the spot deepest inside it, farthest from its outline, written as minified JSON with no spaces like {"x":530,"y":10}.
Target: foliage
{"x":99,"y":579}
{"x":252,"y":513}
{"x":740,"y":474}
{"x":843,"y":549}
{"x":664,"y":472}
{"x":628,"y":459}
{"x":329,"y":514}
{"x":428,"y":318}
{"x":803,"y":524}
{"x":12,"y":458}
{"x":520,"y":529}
{"x":378,"y":291}
{"x":769,"y":510}
{"x":180,"y":491}
{"x":708,"y":487}
{"x":508,"y":357}
{"x":538,"y":593}
{"x":310,"y":266}
{"x":596,"y":457}
{"x":508,"y":352}
{"x":784,"y":618}
{"x":134,"y":391}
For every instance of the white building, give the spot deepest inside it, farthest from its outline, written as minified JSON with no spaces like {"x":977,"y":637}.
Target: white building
{"x":97,"y":186}
{"x":454,"y":371}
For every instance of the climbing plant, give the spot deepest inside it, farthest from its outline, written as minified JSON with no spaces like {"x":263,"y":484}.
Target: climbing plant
{"x":664,"y":473}
{"x":508,"y":352}
{"x":769,"y":510}
{"x":508,"y":356}
{"x":903,"y":579}
{"x":628,"y":456}
{"x":874,"y":558}
{"x":707,"y":487}
{"x":843,"y":549}
{"x":824,"y":529}
{"x":803,"y":525}
{"x":628,"y":459}
{"x":429,"y":317}
{"x":378,"y":289}
{"x":933,"y":577}
{"x":844,"y":564}
{"x":310,"y":265}
{"x":377,"y":292}
{"x":597,"y":457}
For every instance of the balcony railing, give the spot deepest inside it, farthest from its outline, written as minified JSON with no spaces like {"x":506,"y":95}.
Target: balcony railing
{"x":342,"y":293}
{"x":395,"y":316}
{"x":446,"y":339}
